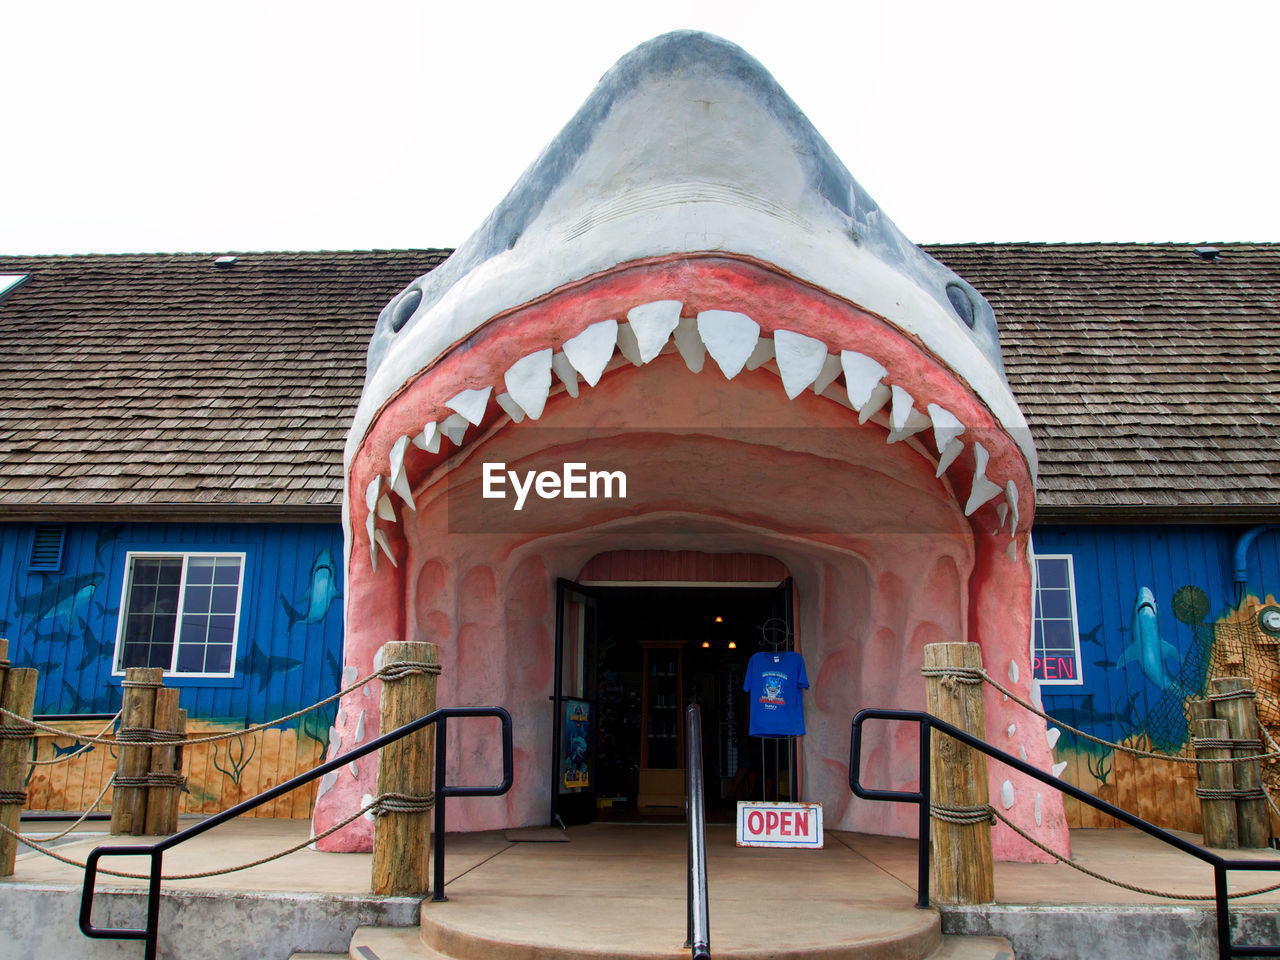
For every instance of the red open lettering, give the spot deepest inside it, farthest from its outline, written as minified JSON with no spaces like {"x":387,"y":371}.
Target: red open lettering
{"x":755,"y":822}
{"x":786,"y":823}
{"x":802,"y":823}
{"x":771,"y":821}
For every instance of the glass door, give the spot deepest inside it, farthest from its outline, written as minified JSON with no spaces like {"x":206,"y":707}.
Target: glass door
{"x":573,"y":702}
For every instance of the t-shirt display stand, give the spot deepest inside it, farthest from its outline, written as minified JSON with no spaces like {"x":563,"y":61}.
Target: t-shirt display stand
{"x":773,"y":682}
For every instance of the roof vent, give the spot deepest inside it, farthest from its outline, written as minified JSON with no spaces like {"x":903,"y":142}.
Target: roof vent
{"x":46,"y":547}
{"x":1207,"y":253}
{"x":224,"y":263}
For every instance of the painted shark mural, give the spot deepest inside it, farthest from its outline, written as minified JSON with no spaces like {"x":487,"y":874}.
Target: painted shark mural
{"x":689,"y":289}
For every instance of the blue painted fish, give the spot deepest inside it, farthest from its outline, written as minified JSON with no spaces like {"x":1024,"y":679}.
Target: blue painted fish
{"x":265,"y":667}
{"x":59,"y":601}
{"x":315,"y":601}
{"x":1148,"y":648}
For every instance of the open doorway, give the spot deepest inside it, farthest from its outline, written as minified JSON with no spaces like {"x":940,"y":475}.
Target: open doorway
{"x":660,"y":649}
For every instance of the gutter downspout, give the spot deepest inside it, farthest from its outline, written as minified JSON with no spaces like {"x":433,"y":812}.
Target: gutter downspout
{"x":1239,"y":561}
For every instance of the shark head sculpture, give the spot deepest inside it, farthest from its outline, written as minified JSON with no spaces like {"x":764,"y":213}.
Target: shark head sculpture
{"x":855,"y":423}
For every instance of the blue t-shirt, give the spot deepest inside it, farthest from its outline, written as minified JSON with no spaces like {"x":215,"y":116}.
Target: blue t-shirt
{"x":774,"y":682}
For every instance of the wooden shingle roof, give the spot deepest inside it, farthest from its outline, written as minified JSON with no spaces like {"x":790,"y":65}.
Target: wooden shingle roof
{"x":1149,"y":375}
{"x":159,"y":385}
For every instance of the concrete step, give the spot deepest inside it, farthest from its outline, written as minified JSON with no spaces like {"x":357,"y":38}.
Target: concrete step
{"x":973,"y":948}
{"x":374,"y":943}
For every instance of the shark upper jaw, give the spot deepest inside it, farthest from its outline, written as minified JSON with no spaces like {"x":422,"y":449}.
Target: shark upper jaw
{"x":719,"y":316}
{"x":687,"y":148}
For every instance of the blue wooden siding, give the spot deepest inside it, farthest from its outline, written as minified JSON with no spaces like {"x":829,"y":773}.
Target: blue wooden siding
{"x":65,"y":623}
{"x":1112,"y":564}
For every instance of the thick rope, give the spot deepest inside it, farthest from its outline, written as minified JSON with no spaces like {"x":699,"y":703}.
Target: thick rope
{"x":1236,"y":793}
{"x":1120,"y":883}
{"x":408,"y":668}
{"x":1245,"y":694}
{"x":40,"y":848}
{"x":142,"y":684}
{"x":215,"y":738}
{"x":22,"y":730}
{"x":83,"y":748}
{"x":963,"y":815}
{"x":1225,"y":743}
{"x":148,"y":735}
{"x":1172,"y":758}
{"x":84,"y":816}
{"x":12,"y":797}
{"x":403,"y":803}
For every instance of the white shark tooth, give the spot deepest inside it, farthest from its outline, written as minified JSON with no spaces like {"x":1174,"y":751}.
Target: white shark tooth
{"x":365,"y":801}
{"x":730,"y":338}
{"x":353,"y":768}
{"x":386,"y":511}
{"x":653,"y":323}
{"x":454,"y":427}
{"x":399,"y":477}
{"x":1011,"y":497}
{"x":370,"y":526}
{"x":381,"y":538}
{"x":1002,"y":510}
{"x":983,"y":489}
{"x":563,"y":370}
{"x":371,"y":493}
{"x":764,"y":351}
{"x":690,"y":345}
{"x":326,"y":783}
{"x":629,"y":345}
{"x":1012,"y":729}
{"x":800,"y":360}
{"x":862,"y":376}
{"x":1011,"y":551}
{"x":948,"y":457}
{"x":1059,"y":767}
{"x":904,"y":419}
{"x":1006,"y":794}
{"x":360,"y":729}
{"x":1051,"y":736}
{"x":830,"y":370}
{"x":470,"y":404}
{"x":1039,"y":817}
{"x":1013,"y":671}
{"x":429,"y":439}
{"x":510,"y":406}
{"x":349,"y":675}
{"x":1022,"y":752}
{"x":1035,"y":694}
{"x":529,"y":381}
{"x":946,"y":426}
{"x":589,"y":351}
{"x":832,"y":391}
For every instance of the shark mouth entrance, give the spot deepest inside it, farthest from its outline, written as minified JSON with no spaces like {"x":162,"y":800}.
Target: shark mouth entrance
{"x":857,"y":430}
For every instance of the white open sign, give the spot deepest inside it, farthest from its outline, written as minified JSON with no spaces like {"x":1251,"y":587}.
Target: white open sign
{"x":780,"y":825}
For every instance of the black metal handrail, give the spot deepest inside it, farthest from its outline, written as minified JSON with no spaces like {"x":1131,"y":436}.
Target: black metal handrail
{"x":695,"y":805}
{"x":151,"y":932}
{"x":928,"y":722}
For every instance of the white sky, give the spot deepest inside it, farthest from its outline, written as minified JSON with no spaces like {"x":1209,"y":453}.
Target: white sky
{"x":230,"y":125}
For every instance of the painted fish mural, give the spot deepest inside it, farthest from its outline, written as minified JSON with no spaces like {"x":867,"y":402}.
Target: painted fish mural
{"x":322,"y":590}
{"x":58,"y":602}
{"x":1148,"y":648}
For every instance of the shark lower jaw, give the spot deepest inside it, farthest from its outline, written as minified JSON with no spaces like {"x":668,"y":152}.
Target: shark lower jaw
{"x":751,"y":413}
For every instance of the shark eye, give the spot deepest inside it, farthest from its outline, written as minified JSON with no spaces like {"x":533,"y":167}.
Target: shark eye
{"x":961,"y":303}
{"x":404,"y":310}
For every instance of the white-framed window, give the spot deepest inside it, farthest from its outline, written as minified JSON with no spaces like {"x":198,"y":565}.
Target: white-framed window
{"x":180,"y":611}
{"x":1055,"y":636}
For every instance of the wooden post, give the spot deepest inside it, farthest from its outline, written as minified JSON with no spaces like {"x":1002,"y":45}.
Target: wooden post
{"x":401,"y":837}
{"x":962,"y":859}
{"x":129,"y":802}
{"x":1252,"y":826}
{"x":1219,"y":815}
{"x":166,"y":767}
{"x":17,"y":695}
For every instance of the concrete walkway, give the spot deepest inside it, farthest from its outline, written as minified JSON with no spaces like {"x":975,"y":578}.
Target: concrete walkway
{"x":620,"y":886}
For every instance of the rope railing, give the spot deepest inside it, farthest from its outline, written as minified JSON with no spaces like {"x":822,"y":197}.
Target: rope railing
{"x":160,"y":738}
{"x":972,"y":675}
